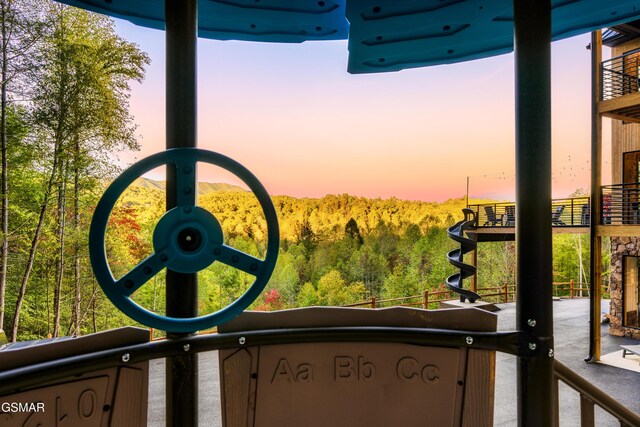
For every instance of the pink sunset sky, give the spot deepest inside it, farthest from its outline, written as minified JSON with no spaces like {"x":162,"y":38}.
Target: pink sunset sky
{"x":306,"y":128}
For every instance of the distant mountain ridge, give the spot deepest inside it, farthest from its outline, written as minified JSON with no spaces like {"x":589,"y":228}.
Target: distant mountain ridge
{"x":203,"y":187}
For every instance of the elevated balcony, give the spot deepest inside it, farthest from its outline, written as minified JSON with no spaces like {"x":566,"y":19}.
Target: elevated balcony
{"x":620,"y":210}
{"x":496,"y":221}
{"x":620,"y":215}
{"x":570,"y":212}
{"x":620,"y":97}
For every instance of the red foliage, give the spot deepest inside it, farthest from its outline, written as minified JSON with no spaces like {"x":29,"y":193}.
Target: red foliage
{"x":272,"y":301}
{"x":272,"y":296}
{"x":125,"y":219}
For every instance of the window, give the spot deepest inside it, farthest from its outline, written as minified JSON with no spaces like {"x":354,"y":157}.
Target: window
{"x":631,"y":189}
{"x":630,"y":285}
{"x":631,"y":167}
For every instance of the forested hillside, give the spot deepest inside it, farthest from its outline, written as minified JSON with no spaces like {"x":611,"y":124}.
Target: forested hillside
{"x":203,"y":187}
{"x":335,"y":250}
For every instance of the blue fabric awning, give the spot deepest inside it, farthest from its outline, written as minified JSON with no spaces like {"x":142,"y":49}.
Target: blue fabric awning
{"x":388,"y":35}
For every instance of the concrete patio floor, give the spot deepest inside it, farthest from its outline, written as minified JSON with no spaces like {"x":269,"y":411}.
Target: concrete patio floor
{"x":571,"y":331}
{"x":571,"y":324}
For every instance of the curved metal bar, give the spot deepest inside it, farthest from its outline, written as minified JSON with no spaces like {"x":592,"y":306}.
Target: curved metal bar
{"x":15,"y":380}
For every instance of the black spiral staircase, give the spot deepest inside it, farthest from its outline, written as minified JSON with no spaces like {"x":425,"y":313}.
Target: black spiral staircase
{"x":457,"y":233}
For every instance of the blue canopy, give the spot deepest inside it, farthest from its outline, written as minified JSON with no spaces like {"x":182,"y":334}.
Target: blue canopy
{"x":386,"y":35}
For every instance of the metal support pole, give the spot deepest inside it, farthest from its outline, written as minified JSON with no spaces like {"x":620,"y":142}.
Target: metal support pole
{"x":467,"y":198}
{"x":532,"y":29}
{"x":595,"y":247}
{"x":181,"y":289}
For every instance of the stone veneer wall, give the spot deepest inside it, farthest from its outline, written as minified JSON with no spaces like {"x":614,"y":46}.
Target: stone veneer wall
{"x":620,"y":246}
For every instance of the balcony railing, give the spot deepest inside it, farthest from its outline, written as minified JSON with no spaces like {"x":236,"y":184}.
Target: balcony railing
{"x":620,"y":204}
{"x":620,"y":75}
{"x":570,"y":212}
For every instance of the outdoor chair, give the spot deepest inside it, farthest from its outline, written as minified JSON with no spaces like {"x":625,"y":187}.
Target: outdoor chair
{"x":555,"y":217}
{"x":510,"y":212}
{"x":585,"y":215}
{"x":492,"y":218}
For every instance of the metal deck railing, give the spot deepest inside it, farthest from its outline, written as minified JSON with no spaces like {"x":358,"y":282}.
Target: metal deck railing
{"x":620,"y":75}
{"x":620,"y":204}
{"x":568,"y":212}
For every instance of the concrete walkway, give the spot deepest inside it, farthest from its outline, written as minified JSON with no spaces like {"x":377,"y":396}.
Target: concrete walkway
{"x":571,"y":348}
{"x":571,"y":331}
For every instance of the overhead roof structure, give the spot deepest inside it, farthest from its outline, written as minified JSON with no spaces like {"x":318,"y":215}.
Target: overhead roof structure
{"x":387,"y":35}
{"x":622,"y":33}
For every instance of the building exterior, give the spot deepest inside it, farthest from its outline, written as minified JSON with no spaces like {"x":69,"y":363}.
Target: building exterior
{"x":616,"y":95}
{"x":618,"y":84}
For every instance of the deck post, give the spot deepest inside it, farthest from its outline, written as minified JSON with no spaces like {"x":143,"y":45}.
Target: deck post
{"x":595,"y":247}
{"x":181,"y":289}
{"x":532,"y":30}
{"x":571,"y":288}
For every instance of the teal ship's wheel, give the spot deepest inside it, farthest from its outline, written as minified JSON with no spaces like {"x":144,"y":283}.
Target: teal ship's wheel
{"x":186,"y":239}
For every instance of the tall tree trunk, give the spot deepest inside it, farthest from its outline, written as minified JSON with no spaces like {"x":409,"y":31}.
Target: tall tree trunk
{"x":48,"y":304}
{"x":62,"y":204}
{"x":76,"y":244}
{"x":85,"y":313}
{"x":4,"y":204}
{"x":34,"y":246}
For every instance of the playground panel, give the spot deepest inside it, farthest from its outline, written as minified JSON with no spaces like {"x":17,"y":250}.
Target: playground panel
{"x":106,"y":397}
{"x":358,"y":383}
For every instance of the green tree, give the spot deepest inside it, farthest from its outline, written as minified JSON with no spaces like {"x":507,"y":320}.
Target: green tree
{"x":369,"y":267}
{"x":333,"y":290}
{"x":496,"y":264}
{"x":80,"y":110}
{"x":285,"y":278}
{"x":308,"y":296}
{"x":402,"y":283}
{"x":571,"y":257}
{"x":352,"y":231}
{"x":20,"y":29}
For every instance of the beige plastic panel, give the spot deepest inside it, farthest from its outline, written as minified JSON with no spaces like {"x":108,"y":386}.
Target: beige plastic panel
{"x":359,"y":384}
{"x":349,"y":384}
{"x":114,"y":397}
